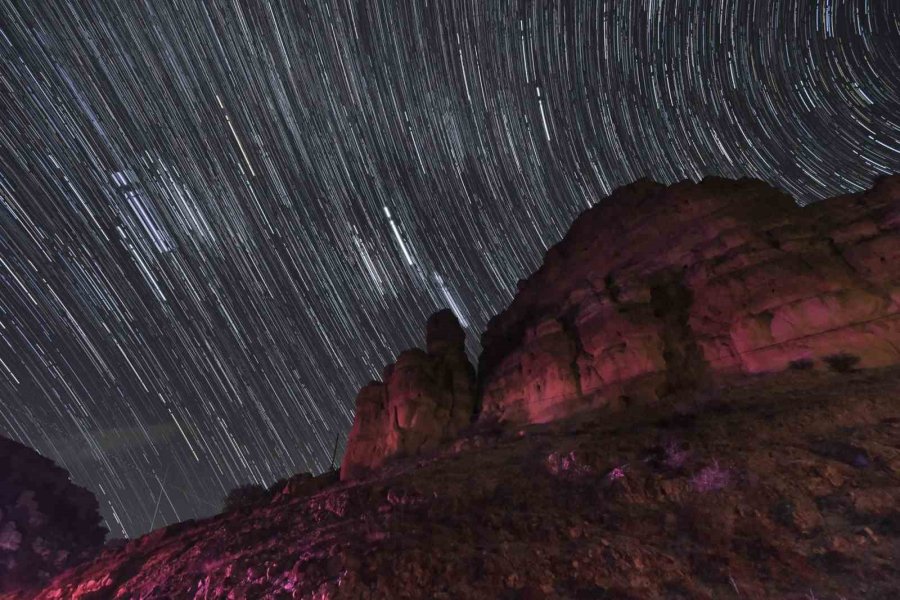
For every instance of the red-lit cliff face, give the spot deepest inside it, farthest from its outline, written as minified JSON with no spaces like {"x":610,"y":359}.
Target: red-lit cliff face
{"x":696,"y":396}
{"x":426,"y":398}
{"x":657,"y":288}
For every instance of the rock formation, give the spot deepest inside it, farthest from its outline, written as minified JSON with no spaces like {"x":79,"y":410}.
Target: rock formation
{"x":47,"y":523}
{"x":426,"y":398}
{"x":653,"y":291}
{"x":782,"y":487}
{"x":749,"y":455}
{"x":657,"y":288}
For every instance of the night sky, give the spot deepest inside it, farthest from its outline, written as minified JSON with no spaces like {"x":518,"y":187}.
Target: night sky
{"x":217,"y":221}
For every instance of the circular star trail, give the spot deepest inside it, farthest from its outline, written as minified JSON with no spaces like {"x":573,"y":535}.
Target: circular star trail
{"x":218,"y":220}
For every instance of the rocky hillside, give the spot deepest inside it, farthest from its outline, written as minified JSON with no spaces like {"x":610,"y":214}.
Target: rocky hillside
{"x":781,"y":486}
{"x":696,"y":396}
{"x":47,"y":523}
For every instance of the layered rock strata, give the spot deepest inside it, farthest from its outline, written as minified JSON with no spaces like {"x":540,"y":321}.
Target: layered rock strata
{"x":425,"y":398}
{"x":656,"y":289}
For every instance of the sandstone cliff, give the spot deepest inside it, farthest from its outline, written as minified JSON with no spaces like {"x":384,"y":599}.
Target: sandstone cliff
{"x":426,"y":398}
{"x":657,"y":288}
{"x":653,"y":291}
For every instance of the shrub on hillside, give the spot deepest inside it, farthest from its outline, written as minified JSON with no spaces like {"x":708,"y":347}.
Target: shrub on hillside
{"x":801,"y":364}
{"x":841,"y":362}
{"x":244,"y":496}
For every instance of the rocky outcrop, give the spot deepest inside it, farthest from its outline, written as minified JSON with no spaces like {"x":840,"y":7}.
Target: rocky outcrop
{"x":47,"y":523}
{"x":780,"y":485}
{"x":783,"y":486}
{"x":425,"y":398}
{"x":657,"y":289}
{"x":654,"y":291}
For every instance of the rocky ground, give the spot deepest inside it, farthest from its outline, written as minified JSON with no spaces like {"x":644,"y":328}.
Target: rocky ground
{"x":776,"y":486}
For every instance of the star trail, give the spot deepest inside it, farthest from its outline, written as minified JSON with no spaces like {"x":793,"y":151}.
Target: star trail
{"x":219,"y":220}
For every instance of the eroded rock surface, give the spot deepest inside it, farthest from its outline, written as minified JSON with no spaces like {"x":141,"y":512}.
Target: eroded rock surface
{"x":425,"y":398}
{"x":657,"y":288}
{"x":47,"y":523}
{"x":780,"y":486}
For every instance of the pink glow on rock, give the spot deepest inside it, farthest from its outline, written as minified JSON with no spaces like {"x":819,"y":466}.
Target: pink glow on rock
{"x":616,"y":473}
{"x":711,"y":478}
